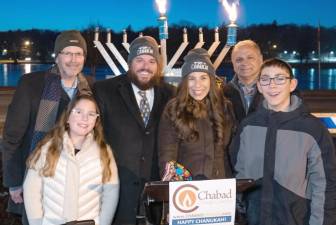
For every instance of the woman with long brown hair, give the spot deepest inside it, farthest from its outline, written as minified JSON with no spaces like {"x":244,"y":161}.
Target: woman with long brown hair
{"x":72,"y":174}
{"x":196,"y":125}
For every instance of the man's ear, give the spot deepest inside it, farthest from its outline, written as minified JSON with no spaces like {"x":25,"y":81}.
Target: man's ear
{"x":293,"y":84}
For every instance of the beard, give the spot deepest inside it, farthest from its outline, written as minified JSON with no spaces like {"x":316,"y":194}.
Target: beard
{"x":155,"y":80}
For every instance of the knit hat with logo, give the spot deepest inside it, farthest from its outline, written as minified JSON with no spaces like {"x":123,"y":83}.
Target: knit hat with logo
{"x":197,"y":60}
{"x":69,"y":38}
{"x":144,"y":45}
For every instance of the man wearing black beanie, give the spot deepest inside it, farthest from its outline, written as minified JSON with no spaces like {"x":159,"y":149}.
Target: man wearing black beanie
{"x":131,"y":105}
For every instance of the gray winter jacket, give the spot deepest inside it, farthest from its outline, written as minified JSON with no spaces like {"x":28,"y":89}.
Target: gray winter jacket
{"x":292,"y":156}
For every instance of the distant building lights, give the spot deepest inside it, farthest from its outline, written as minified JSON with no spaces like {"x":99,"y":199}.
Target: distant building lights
{"x":285,"y":52}
{"x":274,"y":46}
{"x":27,"y":43}
{"x":53,"y":55}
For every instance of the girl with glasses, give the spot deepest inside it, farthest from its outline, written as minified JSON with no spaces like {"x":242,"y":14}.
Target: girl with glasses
{"x":72,"y":174}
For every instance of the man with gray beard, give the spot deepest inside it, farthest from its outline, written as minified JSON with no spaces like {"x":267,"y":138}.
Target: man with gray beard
{"x":131,"y":105}
{"x":38,"y":102}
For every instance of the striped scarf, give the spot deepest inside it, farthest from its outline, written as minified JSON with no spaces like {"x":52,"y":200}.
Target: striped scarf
{"x":48,"y":107}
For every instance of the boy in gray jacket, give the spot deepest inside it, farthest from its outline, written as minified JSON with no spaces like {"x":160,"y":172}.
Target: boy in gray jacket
{"x":290,"y":154}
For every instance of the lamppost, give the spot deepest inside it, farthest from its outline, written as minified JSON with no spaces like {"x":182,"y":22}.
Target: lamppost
{"x":331,"y":56}
{"x":27,"y":50}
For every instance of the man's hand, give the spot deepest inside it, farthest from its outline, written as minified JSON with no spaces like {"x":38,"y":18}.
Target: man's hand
{"x":16,"y":195}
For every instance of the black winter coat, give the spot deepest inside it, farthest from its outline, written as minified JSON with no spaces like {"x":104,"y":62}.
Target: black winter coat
{"x":133,"y":144}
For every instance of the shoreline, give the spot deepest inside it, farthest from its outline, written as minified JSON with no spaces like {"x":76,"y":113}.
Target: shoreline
{"x":22,"y":61}
{"x":224,"y":63}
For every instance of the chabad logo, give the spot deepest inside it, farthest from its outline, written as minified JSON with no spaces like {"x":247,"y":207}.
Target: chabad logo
{"x":199,"y":66}
{"x":185,"y":198}
{"x":144,"y":50}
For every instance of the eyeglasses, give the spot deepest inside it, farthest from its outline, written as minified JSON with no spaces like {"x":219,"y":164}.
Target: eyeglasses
{"x":72,"y":54}
{"x":78,"y":113}
{"x":279,"y":79}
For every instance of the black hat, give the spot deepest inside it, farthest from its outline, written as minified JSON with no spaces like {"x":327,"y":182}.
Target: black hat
{"x":197,"y":60}
{"x":144,"y":45}
{"x":69,"y":38}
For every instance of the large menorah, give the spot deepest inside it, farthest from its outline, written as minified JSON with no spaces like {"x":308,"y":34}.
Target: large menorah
{"x":169,"y":69}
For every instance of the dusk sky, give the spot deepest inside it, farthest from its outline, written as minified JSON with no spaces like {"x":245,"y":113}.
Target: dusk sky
{"x":118,"y":14}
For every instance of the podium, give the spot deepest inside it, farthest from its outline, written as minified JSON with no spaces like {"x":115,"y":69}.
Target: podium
{"x":156,"y":198}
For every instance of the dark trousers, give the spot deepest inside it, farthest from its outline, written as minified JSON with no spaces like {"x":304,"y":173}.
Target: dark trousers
{"x":253,"y":201}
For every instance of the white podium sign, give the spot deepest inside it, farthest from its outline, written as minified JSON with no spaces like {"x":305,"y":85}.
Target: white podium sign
{"x":202,"y":202}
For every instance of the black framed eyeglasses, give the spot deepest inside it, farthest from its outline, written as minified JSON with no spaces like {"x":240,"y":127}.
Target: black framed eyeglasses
{"x":265,"y":80}
{"x":72,"y":54}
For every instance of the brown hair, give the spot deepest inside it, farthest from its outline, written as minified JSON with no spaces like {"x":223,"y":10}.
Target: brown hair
{"x":184,"y":111}
{"x":55,"y":137}
{"x":275,"y":62}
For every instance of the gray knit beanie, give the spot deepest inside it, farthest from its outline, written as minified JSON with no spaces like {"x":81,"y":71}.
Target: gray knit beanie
{"x":144,"y":45}
{"x":197,"y":60}
{"x":69,"y":38}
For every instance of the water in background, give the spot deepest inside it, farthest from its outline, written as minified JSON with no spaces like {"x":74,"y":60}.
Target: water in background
{"x":308,"y":76}
{"x":11,"y":73}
